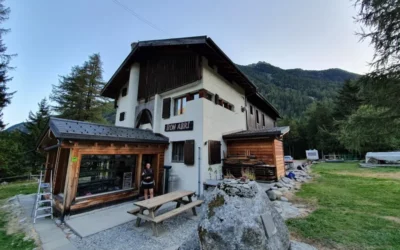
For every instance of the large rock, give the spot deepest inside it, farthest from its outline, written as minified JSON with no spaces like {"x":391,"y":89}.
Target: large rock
{"x":240,"y":216}
{"x":295,"y":245}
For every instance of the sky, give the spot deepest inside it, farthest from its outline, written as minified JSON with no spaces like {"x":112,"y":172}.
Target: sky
{"x":50,"y":37}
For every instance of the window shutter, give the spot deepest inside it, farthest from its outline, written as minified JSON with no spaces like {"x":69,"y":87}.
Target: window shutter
{"x":188,"y":152}
{"x":216,"y":99}
{"x":166,"y":111}
{"x":214,"y":152}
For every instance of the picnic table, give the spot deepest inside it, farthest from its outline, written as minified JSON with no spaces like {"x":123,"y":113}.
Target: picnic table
{"x":153,"y":204}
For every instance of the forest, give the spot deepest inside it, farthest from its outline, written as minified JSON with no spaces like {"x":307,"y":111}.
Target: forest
{"x":333,"y":110}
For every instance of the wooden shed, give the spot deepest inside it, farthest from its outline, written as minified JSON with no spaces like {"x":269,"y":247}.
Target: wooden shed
{"x":260,"y":150}
{"x":96,"y":164}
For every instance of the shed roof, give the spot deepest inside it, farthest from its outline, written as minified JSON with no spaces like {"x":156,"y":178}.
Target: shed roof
{"x":276,"y":131}
{"x":78,"y":130}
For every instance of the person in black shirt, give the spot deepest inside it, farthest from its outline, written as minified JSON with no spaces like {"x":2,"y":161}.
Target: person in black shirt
{"x":148,"y":181}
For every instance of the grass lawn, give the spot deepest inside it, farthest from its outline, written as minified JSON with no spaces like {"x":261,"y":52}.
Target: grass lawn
{"x":14,"y":241}
{"x":356,"y":208}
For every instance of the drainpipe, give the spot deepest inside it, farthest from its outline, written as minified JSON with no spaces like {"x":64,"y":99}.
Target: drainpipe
{"x":199,"y":174}
{"x":54,"y":146}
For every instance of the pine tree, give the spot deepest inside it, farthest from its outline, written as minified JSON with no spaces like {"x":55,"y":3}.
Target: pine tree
{"x":35,"y":124}
{"x":347,"y":101}
{"x":38,"y":121}
{"x":77,"y":96}
{"x":5,"y":97}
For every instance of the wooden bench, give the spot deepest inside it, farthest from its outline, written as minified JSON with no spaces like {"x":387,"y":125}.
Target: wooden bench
{"x":153,"y":204}
{"x":176,"y":211}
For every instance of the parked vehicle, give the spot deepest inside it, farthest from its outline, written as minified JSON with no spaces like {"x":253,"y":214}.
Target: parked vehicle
{"x":288,"y":159}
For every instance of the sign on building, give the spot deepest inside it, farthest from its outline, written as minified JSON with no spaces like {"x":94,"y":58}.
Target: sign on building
{"x":180,"y":126}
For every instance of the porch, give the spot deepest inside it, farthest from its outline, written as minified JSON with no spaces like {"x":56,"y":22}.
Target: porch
{"x":96,"y":165}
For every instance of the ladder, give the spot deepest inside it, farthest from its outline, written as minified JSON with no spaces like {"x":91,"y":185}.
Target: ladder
{"x":44,"y":198}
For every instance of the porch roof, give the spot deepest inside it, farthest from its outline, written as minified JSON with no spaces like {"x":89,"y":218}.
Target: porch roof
{"x":78,"y":130}
{"x":276,"y":131}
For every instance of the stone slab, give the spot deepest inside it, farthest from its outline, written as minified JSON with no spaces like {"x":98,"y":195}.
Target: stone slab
{"x":269,"y":225}
{"x":98,"y":220}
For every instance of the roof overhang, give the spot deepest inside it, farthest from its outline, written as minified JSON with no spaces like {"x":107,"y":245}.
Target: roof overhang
{"x":258,"y":100}
{"x":202,"y":45}
{"x":258,"y":134}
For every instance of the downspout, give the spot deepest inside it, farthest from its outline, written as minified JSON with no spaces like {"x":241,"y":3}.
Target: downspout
{"x":199,"y":175}
{"x":54,"y":146}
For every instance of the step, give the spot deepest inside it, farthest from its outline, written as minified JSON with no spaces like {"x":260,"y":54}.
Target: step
{"x":43,"y":215}
{"x":45,"y":193}
{"x":44,"y":208}
{"x":43,"y":201}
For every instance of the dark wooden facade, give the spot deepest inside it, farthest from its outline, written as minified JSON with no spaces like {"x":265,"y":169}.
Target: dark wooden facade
{"x":266,"y":151}
{"x":162,"y":71}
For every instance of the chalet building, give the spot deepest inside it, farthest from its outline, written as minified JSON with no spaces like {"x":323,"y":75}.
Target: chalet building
{"x":179,"y":102}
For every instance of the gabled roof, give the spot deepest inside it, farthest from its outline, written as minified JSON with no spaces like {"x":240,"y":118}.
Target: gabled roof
{"x":78,"y":130}
{"x":261,"y":133}
{"x":202,"y":45}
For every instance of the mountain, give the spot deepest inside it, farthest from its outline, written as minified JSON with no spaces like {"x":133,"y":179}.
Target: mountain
{"x":292,"y":90}
{"x":19,"y":126}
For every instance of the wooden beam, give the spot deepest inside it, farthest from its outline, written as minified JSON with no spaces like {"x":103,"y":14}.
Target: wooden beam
{"x":71,"y":182}
{"x":139,"y":170}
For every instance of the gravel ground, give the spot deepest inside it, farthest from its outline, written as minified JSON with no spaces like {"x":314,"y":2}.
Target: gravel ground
{"x":172,"y":233}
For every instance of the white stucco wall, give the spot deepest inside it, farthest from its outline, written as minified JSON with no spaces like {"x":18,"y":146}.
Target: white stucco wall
{"x":128,"y":103}
{"x":194,"y":112}
{"x":218,"y":120}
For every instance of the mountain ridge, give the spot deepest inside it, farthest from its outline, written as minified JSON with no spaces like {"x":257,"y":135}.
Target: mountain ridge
{"x":291,"y":91}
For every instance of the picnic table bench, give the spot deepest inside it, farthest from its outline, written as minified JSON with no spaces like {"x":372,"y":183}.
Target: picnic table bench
{"x":152,"y":205}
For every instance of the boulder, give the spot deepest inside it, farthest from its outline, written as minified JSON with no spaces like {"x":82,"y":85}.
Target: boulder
{"x":240,"y":216}
{"x":271,"y":195}
{"x":295,"y":245}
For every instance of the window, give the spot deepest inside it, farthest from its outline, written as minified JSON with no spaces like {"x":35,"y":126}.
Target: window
{"x":195,"y":96}
{"x":258,"y":119}
{"x":177,"y":151}
{"x":124,"y":91}
{"x":166,"y":111}
{"x":227,"y":105}
{"x":121,"y":116}
{"x":105,"y":173}
{"x":179,"y":105}
{"x":251,"y":109}
{"x":263,"y":119}
{"x":214,"y":152}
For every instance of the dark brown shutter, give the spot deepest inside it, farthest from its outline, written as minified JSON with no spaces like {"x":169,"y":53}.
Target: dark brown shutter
{"x":188,"y":152}
{"x":214,"y":152}
{"x":166,"y":111}
{"x":216,"y":99}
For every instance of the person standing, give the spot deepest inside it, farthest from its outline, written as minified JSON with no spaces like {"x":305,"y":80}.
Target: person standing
{"x":148,"y":181}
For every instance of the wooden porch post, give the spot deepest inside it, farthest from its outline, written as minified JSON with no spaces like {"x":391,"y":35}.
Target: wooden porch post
{"x":71,"y":182}
{"x":139,"y":170}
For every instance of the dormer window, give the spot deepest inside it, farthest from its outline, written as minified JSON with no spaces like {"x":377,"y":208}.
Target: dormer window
{"x":124,"y":92}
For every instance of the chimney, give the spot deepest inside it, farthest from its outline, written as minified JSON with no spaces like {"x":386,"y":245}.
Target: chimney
{"x":133,"y":45}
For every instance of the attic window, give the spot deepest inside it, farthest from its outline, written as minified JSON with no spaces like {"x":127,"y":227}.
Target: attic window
{"x":124,"y":91}
{"x":121,"y":116}
{"x":263,"y":119}
{"x":258,"y":119}
{"x":251,"y":109}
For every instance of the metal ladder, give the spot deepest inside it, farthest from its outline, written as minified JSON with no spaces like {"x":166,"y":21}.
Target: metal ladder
{"x":46,"y":204}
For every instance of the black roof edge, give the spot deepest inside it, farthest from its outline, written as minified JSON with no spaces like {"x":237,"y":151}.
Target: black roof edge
{"x":233,"y":64}
{"x":259,"y":95}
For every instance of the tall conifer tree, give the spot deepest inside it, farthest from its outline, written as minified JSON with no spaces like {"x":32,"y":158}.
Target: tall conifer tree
{"x":5,"y":96}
